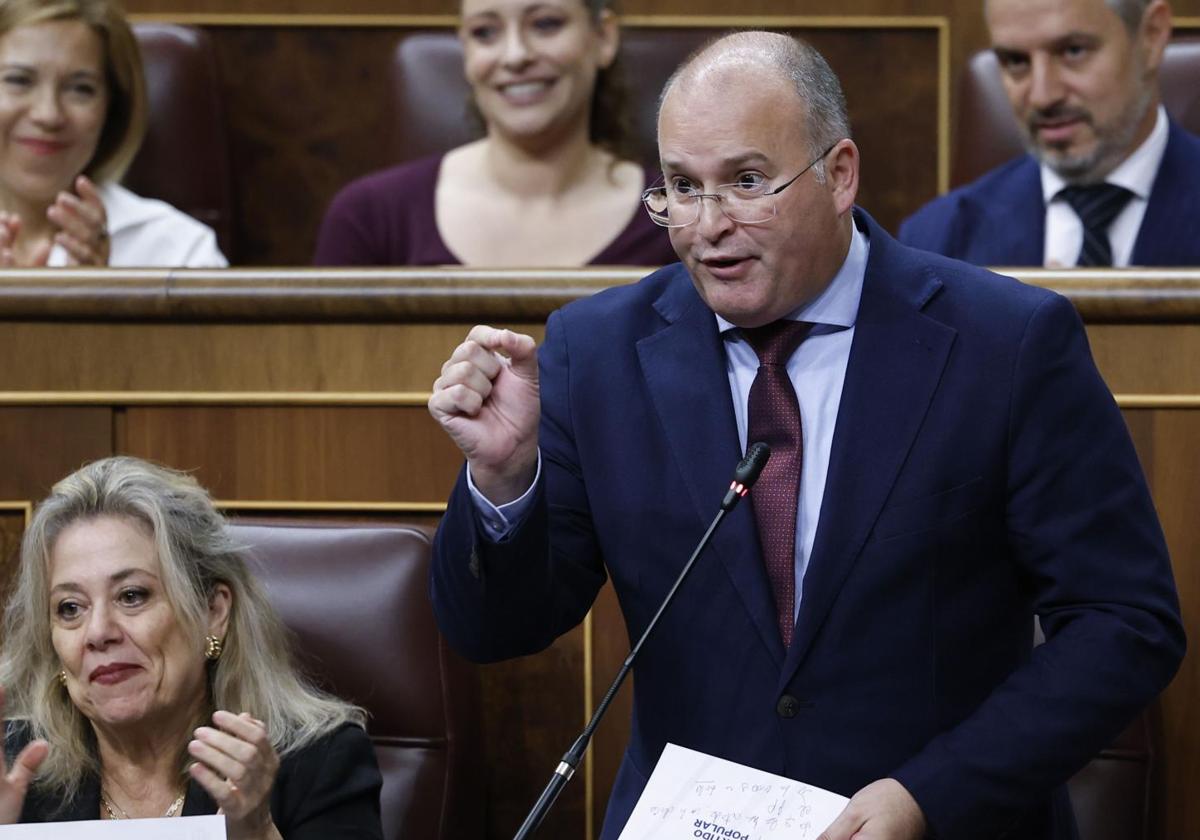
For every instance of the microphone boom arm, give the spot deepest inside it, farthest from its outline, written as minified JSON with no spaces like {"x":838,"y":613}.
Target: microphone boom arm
{"x":743,"y":479}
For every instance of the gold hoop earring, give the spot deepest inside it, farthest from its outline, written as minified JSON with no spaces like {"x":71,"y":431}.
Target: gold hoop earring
{"x":62,"y":678}
{"x":213,"y":647}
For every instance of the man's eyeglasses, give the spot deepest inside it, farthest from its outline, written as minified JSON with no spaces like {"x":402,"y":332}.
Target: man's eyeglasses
{"x":747,"y":202}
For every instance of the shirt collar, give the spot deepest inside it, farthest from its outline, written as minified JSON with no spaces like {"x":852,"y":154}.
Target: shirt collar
{"x":837,"y":306}
{"x":1136,"y":173}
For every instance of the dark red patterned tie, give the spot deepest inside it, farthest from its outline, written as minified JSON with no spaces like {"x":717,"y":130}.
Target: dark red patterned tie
{"x":774,"y":418}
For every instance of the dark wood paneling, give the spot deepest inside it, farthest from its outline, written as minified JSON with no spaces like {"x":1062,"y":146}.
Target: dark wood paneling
{"x":308,"y":110}
{"x":42,"y":444}
{"x":533,"y":710}
{"x":12,"y":525}
{"x":286,"y":357}
{"x":1168,"y":443}
{"x":610,"y":646}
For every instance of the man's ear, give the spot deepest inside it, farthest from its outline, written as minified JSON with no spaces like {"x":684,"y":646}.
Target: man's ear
{"x":841,"y":175}
{"x":1154,"y":33}
{"x":220,"y":604}
{"x":609,"y":33}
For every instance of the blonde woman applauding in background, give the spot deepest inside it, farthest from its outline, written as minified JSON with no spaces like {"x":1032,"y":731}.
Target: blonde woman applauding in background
{"x":72,"y":116}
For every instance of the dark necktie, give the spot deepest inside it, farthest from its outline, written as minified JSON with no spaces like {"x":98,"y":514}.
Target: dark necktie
{"x":1096,"y":206}
{"x":774,"y":418}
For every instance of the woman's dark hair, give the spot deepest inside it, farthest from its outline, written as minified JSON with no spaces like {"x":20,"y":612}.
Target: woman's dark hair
{"x":609,"y":124}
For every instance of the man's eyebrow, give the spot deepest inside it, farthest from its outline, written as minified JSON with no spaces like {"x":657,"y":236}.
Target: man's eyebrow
{"x":743,"y":159}
{"x":1067,"y":39}
{"x":1073,"y":38}
{"x":1008,"y":53}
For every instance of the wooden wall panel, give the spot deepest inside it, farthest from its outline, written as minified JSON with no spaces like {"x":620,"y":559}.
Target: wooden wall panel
{"x":533,"y":711}
{"x":181,"y":358}
{"x":42,"y":444}
{"x":308,"y":111}
{"x":12,"y":525}
{"x":327,"y":454}
{"x":610,"y":645}
{"x":1168,"y":443}
{"x":1145,"y":358}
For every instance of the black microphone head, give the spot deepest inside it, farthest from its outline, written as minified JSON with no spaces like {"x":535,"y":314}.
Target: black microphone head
{"x":746,"y":474}
{"x":748,"y":469}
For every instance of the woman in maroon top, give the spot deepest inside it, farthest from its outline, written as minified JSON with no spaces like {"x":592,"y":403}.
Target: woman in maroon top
{"x":550,"y":183}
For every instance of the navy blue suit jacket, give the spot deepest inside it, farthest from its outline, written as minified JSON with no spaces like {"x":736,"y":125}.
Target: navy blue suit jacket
{"x":1000,"y":219}
{"x":980,"y":472}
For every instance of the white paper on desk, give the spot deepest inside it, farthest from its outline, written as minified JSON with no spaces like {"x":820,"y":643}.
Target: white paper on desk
{"x":173,"y":828}
{"x":693,"y":795}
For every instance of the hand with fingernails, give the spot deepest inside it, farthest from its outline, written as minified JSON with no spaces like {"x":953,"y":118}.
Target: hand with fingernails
{"x":237,"y":765}
{"x":81,"y":228}
{"x":82,"y":224}
{"x":486,"y":399}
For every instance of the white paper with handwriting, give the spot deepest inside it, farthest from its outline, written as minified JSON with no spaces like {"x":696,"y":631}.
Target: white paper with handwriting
{"x":175,"y":828}
{"x":694,"y":796}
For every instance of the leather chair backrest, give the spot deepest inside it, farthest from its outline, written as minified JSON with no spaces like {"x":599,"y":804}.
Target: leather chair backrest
{"x":184,"y":159}
{"x":1110,"y":797}
{"x":431,"y":95}
{"x":986,"y":133}
{"x":355,"y":596}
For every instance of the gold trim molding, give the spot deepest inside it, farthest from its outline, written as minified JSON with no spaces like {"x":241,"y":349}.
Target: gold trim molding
{"x":267,"y":505}
{"x":1157,"y":400}
{"x":444,"y":21}
{"x":216,"y":398}
{"x":22,"y":507}
{"x":406,"y":399}
{"x":589,"y":766}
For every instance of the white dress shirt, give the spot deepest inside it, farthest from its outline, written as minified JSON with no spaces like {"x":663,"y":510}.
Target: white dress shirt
{"x":1064,"y":230}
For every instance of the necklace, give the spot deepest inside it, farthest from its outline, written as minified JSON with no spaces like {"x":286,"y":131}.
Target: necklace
{"x":116,"y":812}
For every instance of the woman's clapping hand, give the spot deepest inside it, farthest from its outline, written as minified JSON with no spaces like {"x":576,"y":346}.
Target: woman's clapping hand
{"x":236,"y":764}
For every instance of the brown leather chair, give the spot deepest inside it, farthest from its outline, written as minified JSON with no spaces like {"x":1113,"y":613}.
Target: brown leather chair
{"x":184,"y":159}
{"x":1111,"y":796}
{"x":355,"y":595}
{"x":986,"y":134}
{"x":431,"y":95}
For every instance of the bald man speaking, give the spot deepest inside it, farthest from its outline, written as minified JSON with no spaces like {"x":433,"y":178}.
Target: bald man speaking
{"x":946,"y":464}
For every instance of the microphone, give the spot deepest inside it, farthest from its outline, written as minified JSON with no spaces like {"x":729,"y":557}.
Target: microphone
{"x":746,"y":473}
{"x":744,"y":476}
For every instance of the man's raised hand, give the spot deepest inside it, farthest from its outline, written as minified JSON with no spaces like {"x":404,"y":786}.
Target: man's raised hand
{"x":487,"y":401}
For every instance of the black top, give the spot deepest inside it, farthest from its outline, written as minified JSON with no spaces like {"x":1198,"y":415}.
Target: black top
{"x":327,"y":790}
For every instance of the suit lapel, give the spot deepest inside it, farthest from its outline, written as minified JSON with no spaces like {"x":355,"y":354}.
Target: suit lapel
{"x":684,"y":366}
{"x":896,"y":362}
{"x":1010,"y":224}
{"x":1168,"y":232}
